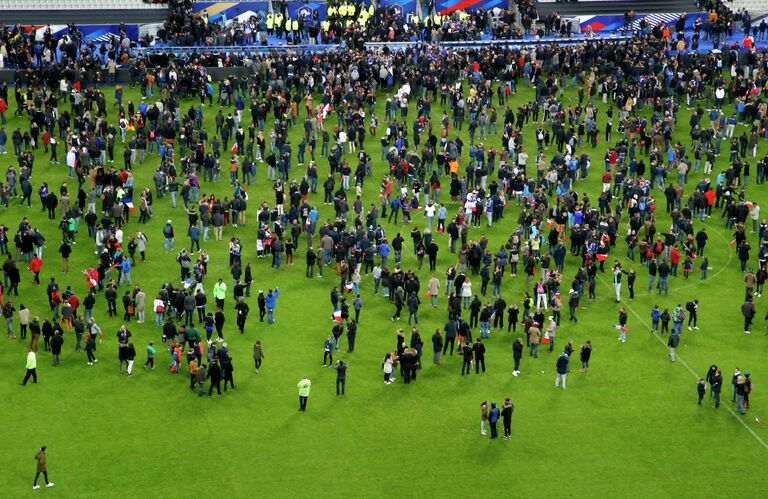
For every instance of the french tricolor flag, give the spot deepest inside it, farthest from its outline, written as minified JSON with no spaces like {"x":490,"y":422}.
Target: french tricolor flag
{"x":349,"y":286}
{"x":337,"y":315}
{"x":129,"y":204}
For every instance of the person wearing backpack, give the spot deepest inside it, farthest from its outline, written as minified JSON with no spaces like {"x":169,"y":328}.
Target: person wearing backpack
{"x":678,"y":316}
{"x":693,"y":310}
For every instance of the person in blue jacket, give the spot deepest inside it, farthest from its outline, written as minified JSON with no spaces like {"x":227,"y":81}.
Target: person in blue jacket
{"x":271,"y":300}
{"x":493,"y":419}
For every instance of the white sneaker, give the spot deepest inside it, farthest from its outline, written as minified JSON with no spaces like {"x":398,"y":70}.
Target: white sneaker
{"x":35,"y":487}
{"x":514,"y":373}
{"x":50,"y":484}
{"x":746,"y":332}
{"x":696,"y":328}
{"x":482,"y":433}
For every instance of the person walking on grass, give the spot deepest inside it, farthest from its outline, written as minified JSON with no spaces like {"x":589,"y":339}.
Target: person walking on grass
{"x":150,"y":356}
{"x":200,"y":376}
{"x":493,"y":419}
{"x":701,"y":388}
{"x":506,"y":416}
{"x":586,"y":353}
{"x":41,"y":468}
{"x":258,"y":355}
{"x":562,"y":369}
{"x":31,"y":366}
{"x":674,"y":340}
{"x":304,"y":386}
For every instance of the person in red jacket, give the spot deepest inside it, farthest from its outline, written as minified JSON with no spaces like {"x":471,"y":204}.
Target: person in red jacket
{"x":674,"y":260}
{"x":34,"y":266}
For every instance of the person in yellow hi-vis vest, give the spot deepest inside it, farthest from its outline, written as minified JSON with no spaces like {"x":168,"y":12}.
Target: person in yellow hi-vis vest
{"x":371,"y":10}
{"x":343,"y":9}
{"x":351,"y":10}
{"x":326,"y":26}
{"x":270,"y":23}
{"x":295,"y":28}
{"x":331,"y":11}
{"x":279,"y":24}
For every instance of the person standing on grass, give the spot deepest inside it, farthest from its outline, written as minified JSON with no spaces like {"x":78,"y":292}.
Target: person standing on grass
{"x":506,"y":416}
{"x":483,"y":416}
{"x":270,"y":302}
{"x":623,"y":325}
{"x":562,"y":369}
{"x":716,"y":385}
{"x":304,"y":386}
{"x":437,"y":346}
{"x":130,"y":357}
{"x":228,"y":369}
{"x":517,"y":354}
{"x":90,"y":348}
{"x":214,"y":374}
{"x":328,"y":351}
{"x":200,"y":376}
{"x":586,"y":353}
{"x":41,"y":468}
{"x":734,"y":382}
{"x":31,"y":366}
{"x":748,"y":311}
{"x":701,"y":388}
{"x":242,"y":310}
{"x":466,"y":364}
{"x":693,"y":314}
{"x":493,"y":419}
{"x":341,"y":377}
{"x":258,"y":355}
{"x":479,"y":351}
{"x":56,"y":344}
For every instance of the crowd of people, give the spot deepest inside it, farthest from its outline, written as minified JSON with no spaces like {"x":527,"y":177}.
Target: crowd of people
{"x":629,"y":95}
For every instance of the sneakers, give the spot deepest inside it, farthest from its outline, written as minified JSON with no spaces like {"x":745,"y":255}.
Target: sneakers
{"x":90,"y":363}
{"x":50,"y":484}
{"x":690,"y":328}
{"x":482,"y":433}
{"x":695,"y":328}
{"x":35,"y":487}
{"x":515,"y":373}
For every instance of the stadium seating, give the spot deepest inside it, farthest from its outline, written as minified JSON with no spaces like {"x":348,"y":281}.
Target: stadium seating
{"x":755,"y":7}
{"x":78,"y":5}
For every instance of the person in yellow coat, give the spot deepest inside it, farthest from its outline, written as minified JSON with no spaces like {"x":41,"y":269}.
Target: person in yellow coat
{"x":270,"y":23}
{"x":331,"y":11}
{"x":279,"y":24}
{"x":343,"y":9}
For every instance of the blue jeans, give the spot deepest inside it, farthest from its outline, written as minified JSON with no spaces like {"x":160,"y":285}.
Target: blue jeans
{"x":534,"y":349}
{"x":159,"y":316}
{"x":650,"y":283}
{"x":168,"y":244}
{"x":278,"y":260}
{"x":270,"y":315}
{"x":741,"y":405}
{"x":664,"y":285}
{"x":201,"y":385}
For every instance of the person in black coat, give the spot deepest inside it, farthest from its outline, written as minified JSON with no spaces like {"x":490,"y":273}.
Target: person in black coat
{"x":437,"y":345}
{"x":586,"y":353}
{"x":517,"y":354}
{"x":450,"y":336}
{"x":479,"y":351}
{"x":56,"y":343}
{"x":717,"y":385}
{"x":466,"y":352}
{"x":227,"y":368}
{"x":242,"y":309}
{"x":214,"y":374}
{"x":506,"y":415}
